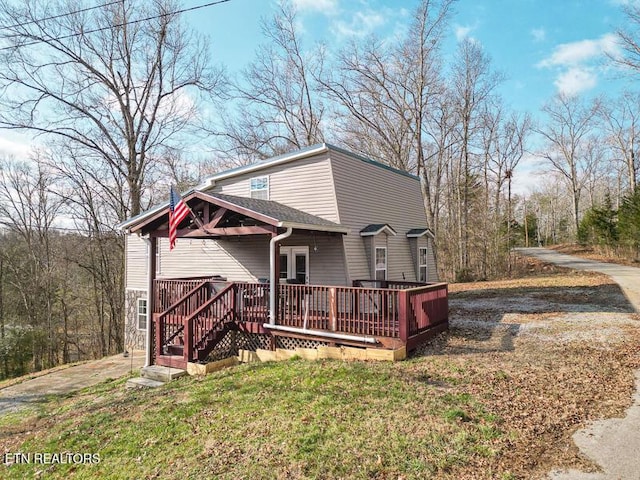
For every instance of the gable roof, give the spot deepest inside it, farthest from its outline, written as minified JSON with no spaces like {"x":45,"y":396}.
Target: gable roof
{"x":419,"y":232}
{"x":376,"y":228}
{"x":266,"y":211}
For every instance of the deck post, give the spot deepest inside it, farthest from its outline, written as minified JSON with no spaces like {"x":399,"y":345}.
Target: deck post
{"x":188,"y":338}
{"x":333,"y":309}
{"x":403,"y":316}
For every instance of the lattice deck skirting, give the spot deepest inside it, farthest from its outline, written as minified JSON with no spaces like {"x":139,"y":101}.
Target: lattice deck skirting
{"x":234,"y":341}
{"x":289,"y":343}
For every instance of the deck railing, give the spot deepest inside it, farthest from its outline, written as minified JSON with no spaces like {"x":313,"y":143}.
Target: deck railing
{"x":169,"y":291}
{"x":427,"y":306}
{"x":212,"y":316}
{"x":400,"y":310}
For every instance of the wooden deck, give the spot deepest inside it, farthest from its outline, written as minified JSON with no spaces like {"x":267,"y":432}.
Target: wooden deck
{"x":192,"y":315}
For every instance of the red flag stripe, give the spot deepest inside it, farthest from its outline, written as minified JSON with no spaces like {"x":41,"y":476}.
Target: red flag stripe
{"x":178,"y":210}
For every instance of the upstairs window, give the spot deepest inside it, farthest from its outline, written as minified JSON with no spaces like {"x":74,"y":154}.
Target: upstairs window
{"x":422,"y":264}
{"x":260,"y":188}
{"x":381,"y":263}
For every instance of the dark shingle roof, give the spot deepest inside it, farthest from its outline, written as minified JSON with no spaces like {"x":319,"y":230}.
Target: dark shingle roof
{"x":376,"y":228}
{"x":418,"y":232}
{"x":278,"y":211}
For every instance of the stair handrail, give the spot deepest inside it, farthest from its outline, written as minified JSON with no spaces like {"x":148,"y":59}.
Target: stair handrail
{"x":188,"y":322}
{"x":184,"y":298}
{"x":161,"y":339}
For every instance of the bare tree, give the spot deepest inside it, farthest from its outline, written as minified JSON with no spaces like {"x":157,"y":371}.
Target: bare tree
{"x":28,"y":210}
{"x":277,"y":108}
{"x":115,"y":87}
{"x":621,"y":122}
{"x":473,"y":83}
{"x":504,"y":141}
{"x":629,"y":40}
{"x":390,"y":97}
{"x":567,"y":134}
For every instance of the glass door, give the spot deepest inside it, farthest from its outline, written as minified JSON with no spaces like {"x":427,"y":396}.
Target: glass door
{"x":294,"y":264}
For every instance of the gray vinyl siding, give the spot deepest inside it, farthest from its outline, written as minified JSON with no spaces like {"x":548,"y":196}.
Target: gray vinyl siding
{"x":326,"y":262}
{"x":246,"y":259}
{"x":136,"y":262}
{"x":366,"y":194}
{"x":243,"y":259}
{"x":305,"y":184}
{"x":332,"y":185}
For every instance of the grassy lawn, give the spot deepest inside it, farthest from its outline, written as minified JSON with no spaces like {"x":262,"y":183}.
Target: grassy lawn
{"x":474,"y":403}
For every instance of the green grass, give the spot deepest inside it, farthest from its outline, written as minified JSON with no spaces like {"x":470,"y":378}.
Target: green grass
{"x":291,"y":419}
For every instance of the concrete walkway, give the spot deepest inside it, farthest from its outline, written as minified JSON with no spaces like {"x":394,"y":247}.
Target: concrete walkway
{"x":68,"y":380}
{"x":613,"y":444}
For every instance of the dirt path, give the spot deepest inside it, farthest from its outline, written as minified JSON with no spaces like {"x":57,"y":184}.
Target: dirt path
{"x":67,"y":380}
{"x":613,"y":444}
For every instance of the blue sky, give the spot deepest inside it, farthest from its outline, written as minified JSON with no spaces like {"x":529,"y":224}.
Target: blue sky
{"x":541,"y":46}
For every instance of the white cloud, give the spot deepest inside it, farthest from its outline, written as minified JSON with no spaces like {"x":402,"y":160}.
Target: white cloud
{"x":538,"y":34}
{"x":577,"y":64}
{"x":576,"y":80}
{"x":327,"y":7}
{"x":462,"y":31}
{"x":574,"y":53}
{"x":361,"y":24}
{"x":13,"y":145}
{"x":528,"y":175}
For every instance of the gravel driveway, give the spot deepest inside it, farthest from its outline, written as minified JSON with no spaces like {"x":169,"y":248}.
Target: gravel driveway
{"x":613,"y":444}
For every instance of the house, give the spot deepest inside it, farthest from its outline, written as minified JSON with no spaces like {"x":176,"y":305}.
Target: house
{"x":311,"y":248}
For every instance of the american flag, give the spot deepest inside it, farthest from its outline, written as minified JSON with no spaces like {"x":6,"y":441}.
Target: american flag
{"x":178,"y":210}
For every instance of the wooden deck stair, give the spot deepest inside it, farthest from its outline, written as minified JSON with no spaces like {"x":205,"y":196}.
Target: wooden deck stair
{"x":199,"y":333}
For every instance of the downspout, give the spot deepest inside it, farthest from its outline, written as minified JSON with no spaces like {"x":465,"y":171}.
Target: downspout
{"x":273,"y":281}
{"x":148,"y":360}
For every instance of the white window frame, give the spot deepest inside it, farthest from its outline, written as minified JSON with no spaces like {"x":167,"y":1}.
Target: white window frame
{"x":264,"y":187}
{"x":375,"y":263}
{"x":423,"y":265}
{"x":290,"y":253}
{"x":140,"y":314}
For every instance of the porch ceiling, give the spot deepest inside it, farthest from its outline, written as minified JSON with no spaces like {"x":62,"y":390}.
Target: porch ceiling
{"x":227,"y":215}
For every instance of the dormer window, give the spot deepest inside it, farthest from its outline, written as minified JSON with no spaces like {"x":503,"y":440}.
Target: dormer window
{"x":260,"y":188}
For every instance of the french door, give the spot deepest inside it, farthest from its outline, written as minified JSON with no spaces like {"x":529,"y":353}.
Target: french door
{"x":294,"y":264}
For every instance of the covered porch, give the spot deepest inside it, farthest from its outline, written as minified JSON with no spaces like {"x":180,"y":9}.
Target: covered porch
{"x":194,"y":318}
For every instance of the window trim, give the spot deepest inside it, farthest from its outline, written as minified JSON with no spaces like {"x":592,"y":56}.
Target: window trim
{"x":424,"y":265}
{"x":264,"y":178}
{"x":375,"y":263}
{"x":139,"y":314}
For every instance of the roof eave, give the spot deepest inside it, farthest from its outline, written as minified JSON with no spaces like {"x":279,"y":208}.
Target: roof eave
{"x":254,"y":167}
{"x":318,"y":228}
{"x":427,"y":232}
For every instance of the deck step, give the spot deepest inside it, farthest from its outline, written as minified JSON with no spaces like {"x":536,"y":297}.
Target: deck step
{"x":142,"y":382}
{"x":162,"y":374}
